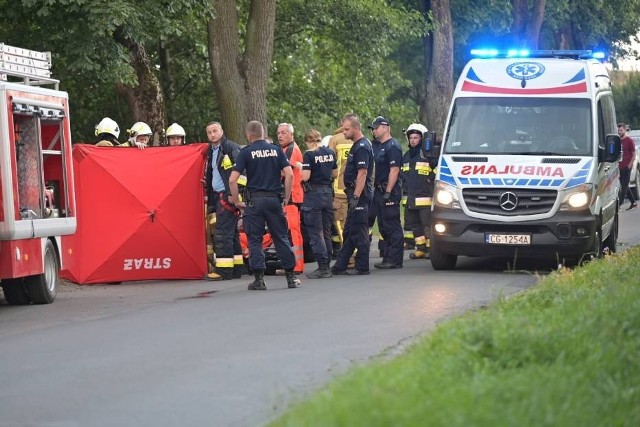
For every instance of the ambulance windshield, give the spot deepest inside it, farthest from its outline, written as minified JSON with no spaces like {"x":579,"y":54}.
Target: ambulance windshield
{"x":527,"y":126}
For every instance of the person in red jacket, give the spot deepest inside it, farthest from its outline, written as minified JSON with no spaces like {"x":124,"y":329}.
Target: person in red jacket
{"x":292,"y":209}
{"x":628,"y":154}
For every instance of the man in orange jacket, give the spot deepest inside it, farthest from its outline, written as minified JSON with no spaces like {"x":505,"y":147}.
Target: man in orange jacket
{"x":292,"y":209}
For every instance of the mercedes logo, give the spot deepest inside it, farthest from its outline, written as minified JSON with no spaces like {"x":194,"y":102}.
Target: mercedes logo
{"x":508,"y":201}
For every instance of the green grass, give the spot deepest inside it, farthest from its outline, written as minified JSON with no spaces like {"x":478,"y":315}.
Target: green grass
{"x":564,"y":353}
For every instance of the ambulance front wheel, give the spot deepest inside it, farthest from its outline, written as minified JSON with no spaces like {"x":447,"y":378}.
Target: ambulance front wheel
{"x":611,"y":242}
{"x":15,"y":292}
{"x":596,"y":249}
{"x":43,"y":288}
{"x":440,"y":260}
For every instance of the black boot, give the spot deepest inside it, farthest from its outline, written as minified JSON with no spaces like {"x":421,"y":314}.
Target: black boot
{"x":292,"y":280}
{"x":258,"y":283}
{"x":323,"y":272}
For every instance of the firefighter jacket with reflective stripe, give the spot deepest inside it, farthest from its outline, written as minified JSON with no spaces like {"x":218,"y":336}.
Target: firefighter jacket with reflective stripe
{"x":418,"y":176}
{"x":226,"y":159}
{"x":341,"y":146}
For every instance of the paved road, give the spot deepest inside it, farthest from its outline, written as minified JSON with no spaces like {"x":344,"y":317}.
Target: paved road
{"x":195,"y":353}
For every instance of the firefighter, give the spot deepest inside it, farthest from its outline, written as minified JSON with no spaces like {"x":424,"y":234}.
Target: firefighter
{"x":418,"y":174}
{"x":108,"y":132}
{"x":175,"y":135}
{"x":139,"y":136}
{"x":319,"y":168}
{"x":264,"y":165}
{"x":358,"y":181}
{"x":340,"y":146}
{"x":292,"y":209}
{"x":221,"y":156}
{"x":387,"y":195}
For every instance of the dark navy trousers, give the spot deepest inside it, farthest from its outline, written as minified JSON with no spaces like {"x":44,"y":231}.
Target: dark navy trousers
{"x":355,"y":236}
{"x":388,"y":214}
{"x":318,"y":217}
{"x":267,"y":210}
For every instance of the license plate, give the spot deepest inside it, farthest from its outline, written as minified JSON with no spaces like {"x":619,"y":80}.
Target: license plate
{"x":508,"y":239}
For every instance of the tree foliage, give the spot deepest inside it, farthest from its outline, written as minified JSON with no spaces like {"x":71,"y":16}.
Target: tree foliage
{"x":329,"y":57}
{"x":627,"y":100}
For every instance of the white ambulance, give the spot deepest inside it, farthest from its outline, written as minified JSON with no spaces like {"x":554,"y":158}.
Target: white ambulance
{"x":37,"y":203}
{"x":528,"y":164}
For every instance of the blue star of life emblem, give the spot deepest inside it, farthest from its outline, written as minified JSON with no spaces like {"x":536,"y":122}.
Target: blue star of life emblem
{"x":525,"y":70}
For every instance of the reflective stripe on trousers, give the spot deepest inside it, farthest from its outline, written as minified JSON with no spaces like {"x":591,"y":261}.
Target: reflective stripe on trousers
{"x":293,"y":221}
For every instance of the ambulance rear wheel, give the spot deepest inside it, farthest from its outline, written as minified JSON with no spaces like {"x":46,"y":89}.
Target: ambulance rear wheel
{"x":440,"y":260}
{"x":43,"y":288}
{"x":14,"y":291}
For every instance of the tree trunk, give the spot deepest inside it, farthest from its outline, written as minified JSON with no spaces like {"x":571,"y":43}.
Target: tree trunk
{"x":146,"y":100}
{"x":520,"y":14}
{"x":525,"y":29}
{"x":440,"y":67}
{"x":535,"y":24}
{"x":240,"y":79}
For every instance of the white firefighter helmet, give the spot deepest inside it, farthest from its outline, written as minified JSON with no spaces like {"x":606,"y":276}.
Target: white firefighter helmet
{"x":109,"y":126}
{"x":416,"y":128}
{"x":175,"y":130}
{"x":140,"y":128}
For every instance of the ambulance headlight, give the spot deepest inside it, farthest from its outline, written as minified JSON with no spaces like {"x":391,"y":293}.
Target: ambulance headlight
{"x":577,"y":198}
{"x":446,"y":196}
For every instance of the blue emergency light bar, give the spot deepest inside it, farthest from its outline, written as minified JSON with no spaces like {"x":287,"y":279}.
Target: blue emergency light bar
{"x":525,"y":53}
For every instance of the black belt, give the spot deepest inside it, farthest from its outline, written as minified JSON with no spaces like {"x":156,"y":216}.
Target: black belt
{"x":263,"y":194}
{"x":314,"y":187}
{"x":381,"y":187}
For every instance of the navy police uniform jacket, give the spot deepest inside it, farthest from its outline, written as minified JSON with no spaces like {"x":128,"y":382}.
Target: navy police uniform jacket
{"x":360,"y":157}
{"x":263,"y":163}
{"x":389,"y":155}
{"x":321,"y":163}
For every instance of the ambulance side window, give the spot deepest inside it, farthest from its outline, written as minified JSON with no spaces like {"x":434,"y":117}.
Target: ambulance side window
{"x":606,"y":119}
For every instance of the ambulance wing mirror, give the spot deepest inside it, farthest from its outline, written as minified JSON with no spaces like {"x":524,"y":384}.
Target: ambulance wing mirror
{"x":610,"y":153}
{"x":431,"y":146}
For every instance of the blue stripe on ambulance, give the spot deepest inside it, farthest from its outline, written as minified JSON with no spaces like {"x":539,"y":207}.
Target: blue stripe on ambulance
{"x":445,"y":173}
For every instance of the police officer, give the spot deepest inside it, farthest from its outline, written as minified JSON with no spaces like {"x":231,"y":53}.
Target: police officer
{"x":418,"y":175}
{"x":221,"y":156}
{"x":319,"y":168}
{"x":264,"y":163}
{"x":387,"y":195}
{"x":358,"y":181}
{"x":375,"y":146}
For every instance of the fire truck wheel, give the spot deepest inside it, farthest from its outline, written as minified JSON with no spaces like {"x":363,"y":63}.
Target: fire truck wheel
{"x":43,"y":288}
{"x":14,"y":291}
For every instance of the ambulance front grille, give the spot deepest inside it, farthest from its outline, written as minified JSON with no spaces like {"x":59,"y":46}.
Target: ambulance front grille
{"x":509,"y":201}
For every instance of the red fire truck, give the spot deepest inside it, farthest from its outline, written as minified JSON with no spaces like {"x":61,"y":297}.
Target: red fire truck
{"x":37,"y":203}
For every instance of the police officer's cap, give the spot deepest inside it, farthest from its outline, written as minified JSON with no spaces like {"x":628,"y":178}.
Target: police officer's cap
{"x":378,"y":121}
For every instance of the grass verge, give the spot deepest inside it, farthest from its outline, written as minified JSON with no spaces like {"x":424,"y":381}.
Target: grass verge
{"x":565,"y":353}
